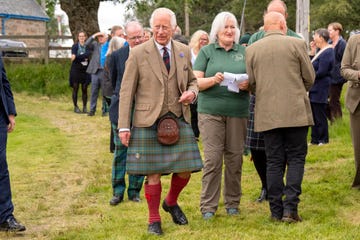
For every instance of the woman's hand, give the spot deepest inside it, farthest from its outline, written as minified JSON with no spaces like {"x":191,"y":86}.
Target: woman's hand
{"x":218,"y":78}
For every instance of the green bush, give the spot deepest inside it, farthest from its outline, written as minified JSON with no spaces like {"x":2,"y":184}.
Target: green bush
{"x":35,"y":78}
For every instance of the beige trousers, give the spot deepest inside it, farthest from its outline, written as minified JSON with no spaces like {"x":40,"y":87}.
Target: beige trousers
{"x":223,"y":141}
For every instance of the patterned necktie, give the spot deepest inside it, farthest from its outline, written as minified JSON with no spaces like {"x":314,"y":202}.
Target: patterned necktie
{"x":166,"y":59}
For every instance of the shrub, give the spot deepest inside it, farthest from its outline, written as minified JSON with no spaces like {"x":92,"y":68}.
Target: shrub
{"x":35,"y":78}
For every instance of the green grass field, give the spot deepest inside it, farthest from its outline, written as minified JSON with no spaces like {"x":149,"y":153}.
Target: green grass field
{"x":60,"y":168}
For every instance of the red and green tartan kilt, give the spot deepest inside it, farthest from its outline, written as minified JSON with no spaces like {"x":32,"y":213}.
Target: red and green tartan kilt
{"x":146,"y":155}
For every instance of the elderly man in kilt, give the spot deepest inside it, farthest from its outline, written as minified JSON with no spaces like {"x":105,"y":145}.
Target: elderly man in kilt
{"x":159,"y":81}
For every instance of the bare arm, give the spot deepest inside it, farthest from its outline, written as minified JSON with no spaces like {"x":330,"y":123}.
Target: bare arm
{"x":205,"y":83}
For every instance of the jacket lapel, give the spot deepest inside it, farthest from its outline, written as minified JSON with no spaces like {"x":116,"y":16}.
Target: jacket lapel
{"x":152,"y":56}
{"x":180,"y":65}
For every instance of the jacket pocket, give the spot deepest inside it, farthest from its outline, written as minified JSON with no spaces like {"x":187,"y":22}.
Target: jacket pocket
{"x":142,"y":107}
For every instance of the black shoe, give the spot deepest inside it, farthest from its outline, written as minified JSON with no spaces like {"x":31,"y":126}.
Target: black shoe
{"x":291,"y":217}
{"x":155,"y":228}
{"x":11,"y":225}
{"x":135,"y":199}
{"x":116,"y":200}
{"x":85,"y":110}
{"x":91,"y":113}
{"x":176,"y":213}
{"x":77,"y":109}
{"x":263,"y":195}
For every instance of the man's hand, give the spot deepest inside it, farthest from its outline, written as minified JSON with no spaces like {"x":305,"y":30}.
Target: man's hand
{"x":244,"y":85}
{"x":125,"y":137}
{"x":187,"y":97}
{"x":11,"y":125}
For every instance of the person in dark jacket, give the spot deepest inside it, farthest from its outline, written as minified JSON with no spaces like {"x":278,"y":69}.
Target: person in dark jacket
{"x":7,"y":125}
{"x":116,"y":64}
{"x":337,"y":81}
{"x":323,"y":63}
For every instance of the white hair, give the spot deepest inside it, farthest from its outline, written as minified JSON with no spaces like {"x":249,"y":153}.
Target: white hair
{"x":133,"y":24}
{"x":164,"y":11}
{"x":219,"y":24}
{"x":114,"y":44}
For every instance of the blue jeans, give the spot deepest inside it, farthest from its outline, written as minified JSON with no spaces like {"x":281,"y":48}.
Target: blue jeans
{"x":6,"y":205}
{"x":96,"y":81}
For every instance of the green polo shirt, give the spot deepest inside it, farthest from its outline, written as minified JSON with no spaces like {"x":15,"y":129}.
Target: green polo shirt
{"x":260,"y":34}
{"x":217,"y":100}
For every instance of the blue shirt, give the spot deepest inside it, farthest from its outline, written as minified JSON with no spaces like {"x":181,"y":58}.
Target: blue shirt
{"x":103,"y":50}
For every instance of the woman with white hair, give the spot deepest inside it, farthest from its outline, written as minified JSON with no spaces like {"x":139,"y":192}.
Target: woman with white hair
{"x":222,"y":115}
{"x":115,"y":44}
{"x":199,"y":39}
{"x":107,"y":87}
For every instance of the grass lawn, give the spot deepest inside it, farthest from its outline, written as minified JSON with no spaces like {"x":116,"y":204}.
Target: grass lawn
{"x":60,"y":168}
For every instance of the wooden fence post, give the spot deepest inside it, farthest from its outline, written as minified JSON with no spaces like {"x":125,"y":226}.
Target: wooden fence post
{"x":46,"y":53}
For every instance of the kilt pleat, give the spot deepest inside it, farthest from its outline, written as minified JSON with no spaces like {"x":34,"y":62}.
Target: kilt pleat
{"x":147,"y":156}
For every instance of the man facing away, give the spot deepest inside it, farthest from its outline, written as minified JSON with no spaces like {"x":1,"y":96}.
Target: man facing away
{"x":134,"y":36}
{"x":350,"y":70}
{"x":280,"y":74}
{"x":7,"y":125}
{"x":159,"y":81}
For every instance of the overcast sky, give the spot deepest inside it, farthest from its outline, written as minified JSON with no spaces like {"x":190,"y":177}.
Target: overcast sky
{"x":109,"y":14}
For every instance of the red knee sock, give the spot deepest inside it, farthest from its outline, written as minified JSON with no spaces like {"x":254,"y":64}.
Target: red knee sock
{"x":153,"y":195}
{"x":177,"y":185}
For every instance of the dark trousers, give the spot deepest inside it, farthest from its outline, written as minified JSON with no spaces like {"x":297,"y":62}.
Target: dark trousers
{"x":6,"y":205}
{"x":320,"y":130}
{"x":194,"y":119}
{"x":259,"y":159}
{"x":285,"y":145}
{"x":334,"y":103}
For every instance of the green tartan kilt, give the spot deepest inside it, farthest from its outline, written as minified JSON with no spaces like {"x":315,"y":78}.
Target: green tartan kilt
{"x":146,"y":155}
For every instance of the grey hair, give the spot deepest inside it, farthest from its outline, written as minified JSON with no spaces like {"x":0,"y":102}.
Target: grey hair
{"x":165,"y":11}
{"x":219,"y":24}
{"x":324,"y":33}
{"x":114,"y":44}
{"x":133,"y":24}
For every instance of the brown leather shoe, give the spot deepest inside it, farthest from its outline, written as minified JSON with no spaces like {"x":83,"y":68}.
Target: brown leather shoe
{"x":291,"y":218}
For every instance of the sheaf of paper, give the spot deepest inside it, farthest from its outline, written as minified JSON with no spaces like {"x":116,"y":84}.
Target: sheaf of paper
{"x":232,"y":80}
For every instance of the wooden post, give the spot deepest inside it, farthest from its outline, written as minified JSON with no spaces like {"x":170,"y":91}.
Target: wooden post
{"x":46,"y":47}
{"x":303,"y":18}
{"x":187,"y":28}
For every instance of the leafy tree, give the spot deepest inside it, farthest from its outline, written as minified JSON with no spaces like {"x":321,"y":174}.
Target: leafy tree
{"x":50,"y":11}
{"x":345,"y":12}
{"x":82,"y":15}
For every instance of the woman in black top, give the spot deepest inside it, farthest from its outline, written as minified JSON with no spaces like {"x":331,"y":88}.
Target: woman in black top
{"x":78,"y":75}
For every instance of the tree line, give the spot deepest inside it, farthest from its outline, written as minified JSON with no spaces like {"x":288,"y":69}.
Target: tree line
{"x":83,"y":13}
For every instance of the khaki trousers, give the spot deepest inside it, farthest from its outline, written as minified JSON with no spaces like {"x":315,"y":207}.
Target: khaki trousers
{"x":223,"y":141}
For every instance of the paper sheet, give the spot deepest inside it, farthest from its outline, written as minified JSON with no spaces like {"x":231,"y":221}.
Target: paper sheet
{"x":232,"y":80}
